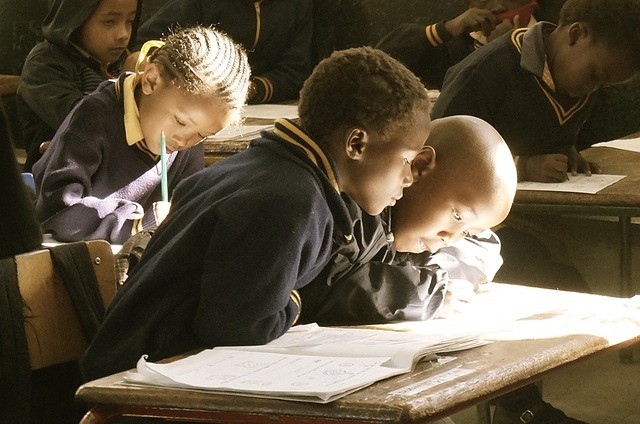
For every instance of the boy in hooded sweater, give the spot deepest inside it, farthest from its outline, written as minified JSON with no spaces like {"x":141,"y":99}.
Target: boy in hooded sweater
{"x":85,"y":43}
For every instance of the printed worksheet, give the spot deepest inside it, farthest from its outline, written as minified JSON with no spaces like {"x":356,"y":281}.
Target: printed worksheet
{"x":576,"y":184}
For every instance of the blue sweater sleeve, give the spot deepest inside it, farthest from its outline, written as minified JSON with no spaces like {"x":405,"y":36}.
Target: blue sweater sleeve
{"x":254,"y":262}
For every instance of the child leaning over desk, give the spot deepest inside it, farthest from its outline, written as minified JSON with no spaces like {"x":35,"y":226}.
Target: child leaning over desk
{"x":85,"y":42}
{"x":537,"y":86}
{"x":246,"y":233}
{"x":102,"y":168}
{"x":399,"y":265}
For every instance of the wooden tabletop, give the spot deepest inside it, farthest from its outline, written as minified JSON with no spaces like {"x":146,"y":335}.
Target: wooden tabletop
{"x":624,"y":193}
{"x":533,"y":331}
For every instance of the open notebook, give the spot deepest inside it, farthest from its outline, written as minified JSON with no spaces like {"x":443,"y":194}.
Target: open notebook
{"x":308,"y":363}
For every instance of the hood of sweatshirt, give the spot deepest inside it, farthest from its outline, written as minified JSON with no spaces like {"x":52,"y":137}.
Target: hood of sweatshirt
{"x":65,"y":16}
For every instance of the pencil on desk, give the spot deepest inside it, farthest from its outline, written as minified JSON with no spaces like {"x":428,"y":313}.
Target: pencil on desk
{"x":163,"y":168}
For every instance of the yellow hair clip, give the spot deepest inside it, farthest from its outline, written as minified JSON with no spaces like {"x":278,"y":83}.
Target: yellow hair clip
{"x":147,"y":47}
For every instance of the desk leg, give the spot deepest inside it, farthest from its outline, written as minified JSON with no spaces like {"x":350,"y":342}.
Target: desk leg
{"x":624,"y":225}
{"x":101,"y":415}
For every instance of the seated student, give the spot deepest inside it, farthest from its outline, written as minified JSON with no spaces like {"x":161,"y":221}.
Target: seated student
{"x":85,"y":43}
{"x":429,"y":50}
{"x":537,"y":86}
{"x":244,"y":235}
{"x":102,"y":170}
{"x":275,"y":33}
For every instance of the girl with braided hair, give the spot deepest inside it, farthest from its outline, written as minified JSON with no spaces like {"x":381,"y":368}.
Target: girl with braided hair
{"x":101,"y":174}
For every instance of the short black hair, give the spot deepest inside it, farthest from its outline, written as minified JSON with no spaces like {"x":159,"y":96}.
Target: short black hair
{"x":364,"y":87}
{"x":615,"y":23}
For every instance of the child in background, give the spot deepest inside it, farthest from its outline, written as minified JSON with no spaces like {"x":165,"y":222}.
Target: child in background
{"x":244,"y":235}
{"x":275,"y":33}
{"x":464,"y":184}
{"x":102,"y":167}
{"x":85,"y":43}
{"x":429,"y":50}
{"x":537,"y":87}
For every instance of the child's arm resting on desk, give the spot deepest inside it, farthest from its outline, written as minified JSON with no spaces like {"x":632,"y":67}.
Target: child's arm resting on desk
{"x":412,"y":286}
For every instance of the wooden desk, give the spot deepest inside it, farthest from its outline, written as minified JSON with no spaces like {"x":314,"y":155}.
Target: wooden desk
{"x":620,"y":200}
{"x":534,"y":330}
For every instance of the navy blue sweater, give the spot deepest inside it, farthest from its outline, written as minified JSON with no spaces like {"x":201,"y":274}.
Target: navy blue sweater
{"x":90,"y":181}
{"x":241,"y":236}
{"x":503,"y":84}
{"x":275,"y":33}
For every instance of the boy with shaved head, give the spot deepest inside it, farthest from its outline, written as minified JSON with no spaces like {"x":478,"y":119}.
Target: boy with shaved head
{"x":464,"y":184}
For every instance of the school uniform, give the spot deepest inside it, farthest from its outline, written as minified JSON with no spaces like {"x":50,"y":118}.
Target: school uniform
{"x":97,"y":179}
{"x":276,"y":35}
{"x":223,"y":269}
{"x":508,"y":84}
{"x":427,"y":50}
{"x":56,"y":74}
{"x":367,"y":281}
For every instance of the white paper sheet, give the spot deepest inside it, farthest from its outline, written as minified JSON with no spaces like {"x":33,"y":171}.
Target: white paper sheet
{"x":239,"y":132}
{"x":631,"y":144}
{"x":270,"y":111}
{"x":576,"y":184}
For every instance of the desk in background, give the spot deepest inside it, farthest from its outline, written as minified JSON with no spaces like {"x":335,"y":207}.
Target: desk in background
{"x":534,"y":330}
{"x":620,"y":200}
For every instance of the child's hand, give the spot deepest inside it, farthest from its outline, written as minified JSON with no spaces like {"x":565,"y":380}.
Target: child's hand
{"x":579,"y":164}
{"x":459,"y":293}
{"x":503,"y":27}
{"x":546,"y":168}
{"x":473,"y":19}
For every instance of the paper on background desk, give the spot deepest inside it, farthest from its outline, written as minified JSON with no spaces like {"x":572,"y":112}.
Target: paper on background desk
{"x":239,"y":132}
{"x":631,"y":144}
{"x":270,"y":111}
{"x":576,"y":184}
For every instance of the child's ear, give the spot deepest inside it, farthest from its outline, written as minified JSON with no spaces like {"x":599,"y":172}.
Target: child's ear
{"x":150,"y":78}
{"x":424,"y":163}
{"x":577,"y":30}
{"x":356,"y":143}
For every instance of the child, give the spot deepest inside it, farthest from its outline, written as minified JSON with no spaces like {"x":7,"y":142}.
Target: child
{"x":85,"y":43}
{"x":102,"y":167}
{"x":537,"y":86}
{"x":429,"y":50}
{"x":464,"y":183}
{"x":246,"y":233}
{"x":275,"y":33}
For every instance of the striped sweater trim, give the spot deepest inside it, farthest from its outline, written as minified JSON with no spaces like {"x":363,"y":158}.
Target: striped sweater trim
{"x":293,"y":134}
{"x":562,"y":114}
{"x":431,"y":31}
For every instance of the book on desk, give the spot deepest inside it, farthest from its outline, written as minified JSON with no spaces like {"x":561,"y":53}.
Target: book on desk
{"x":308,"y":363}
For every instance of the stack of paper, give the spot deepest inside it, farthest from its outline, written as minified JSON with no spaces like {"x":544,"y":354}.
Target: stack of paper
{"x":308,"y":363}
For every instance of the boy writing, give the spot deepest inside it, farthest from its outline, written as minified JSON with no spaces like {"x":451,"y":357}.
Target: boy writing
{"x":429,"y":50}
{"x":101,"y":175}
{"x":537,"y":86}
{"x":85,"y":43}
{"x":245,"y":234}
